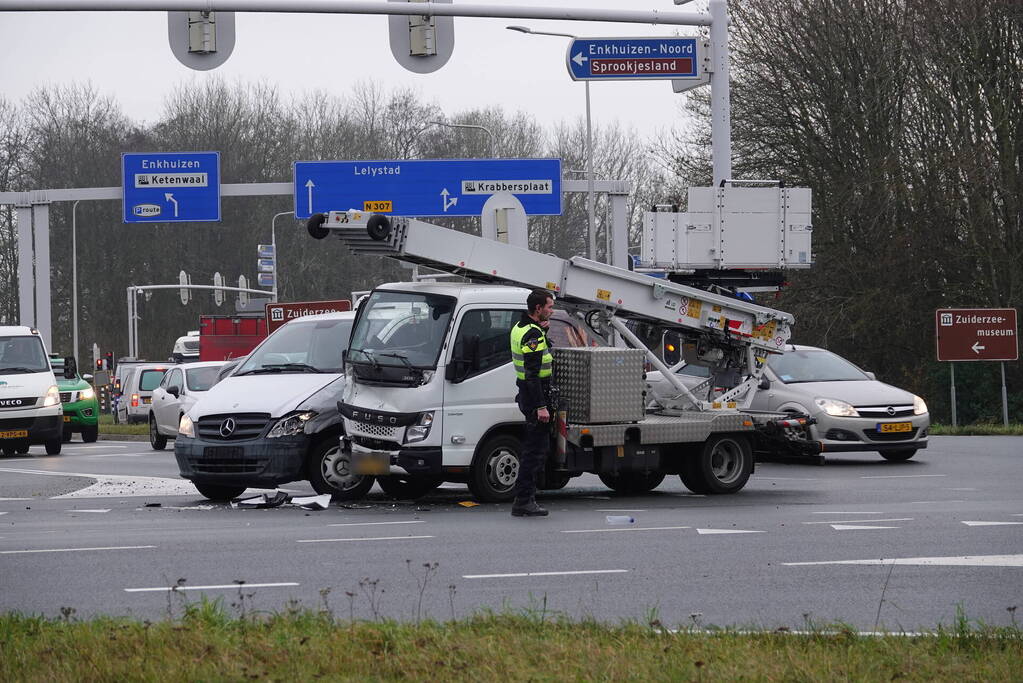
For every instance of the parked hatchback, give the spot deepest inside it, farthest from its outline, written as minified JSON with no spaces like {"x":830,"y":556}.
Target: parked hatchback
{"x":137,"y":391}
{"x":180,"y":388}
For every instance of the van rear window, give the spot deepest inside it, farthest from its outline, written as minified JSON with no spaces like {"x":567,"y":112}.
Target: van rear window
{"x":150,"y":379}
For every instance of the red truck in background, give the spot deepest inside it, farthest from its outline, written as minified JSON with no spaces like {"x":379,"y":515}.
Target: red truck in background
{"x":224,"y":337}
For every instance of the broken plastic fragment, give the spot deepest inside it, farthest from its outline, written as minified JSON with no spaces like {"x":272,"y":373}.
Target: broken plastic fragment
{"x":321,"y":502}
{"x":468,"y":503}
{"x":263,"y":500}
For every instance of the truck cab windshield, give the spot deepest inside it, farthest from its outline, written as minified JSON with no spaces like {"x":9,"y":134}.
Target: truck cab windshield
{"x":401,"y":329}
{"x":300,"y":346}
{"x":22,"y":354}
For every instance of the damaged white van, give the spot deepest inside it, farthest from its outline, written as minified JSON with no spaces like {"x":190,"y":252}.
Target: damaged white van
{"x":274,"y":419}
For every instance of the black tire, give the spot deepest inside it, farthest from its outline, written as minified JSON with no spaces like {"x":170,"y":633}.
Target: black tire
{"x":330,"y":471}
{"x":723,"y":465}
{"x":8,"y":451}
{"x":21,"y":449}
{"x":632,"y":482}
{"x":157,"y":440}
{"x":66,"y":436}
{"x":218,"y":492}
{"x":90,"y":433}
{"x":404,"y":487}
{"x":494,"y":469}
{"x":900,"y":455}
{"x":53,"y":447}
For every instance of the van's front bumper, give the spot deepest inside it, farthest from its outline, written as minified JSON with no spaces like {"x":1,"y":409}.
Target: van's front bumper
{"x":81,"y":414}
{"x":255,"y":462}
{"x":35,"y":429}
{"x":423,"y":460}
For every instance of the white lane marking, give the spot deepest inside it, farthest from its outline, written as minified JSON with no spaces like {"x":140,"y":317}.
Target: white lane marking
{"x":932,"y":502}
{"x":991,"y":523}
{"x":97,"y":510}
{"x":637,"y":528}
{"x":75,"y":550}
{"x":851,"y":512}
{"x":410,"y":521}
{"x":3,"y":513}
{"x":348,"y":540}
{"x":960,"y":561}
{"x":6,"y":499}
{"x":109,"y":485}
{"x":788,"y":478}
{"x":175,"y":589}
{"x":521,"y":574}
{"x":962,"y":488}
{"x":903,"y":476}
{"x":114,"y":455}
{"x":91,"y":446}
{"x":619,"y":510}
{"x":855,"y":527}
{"x":726,"y":531}
{"x":855,"y":521}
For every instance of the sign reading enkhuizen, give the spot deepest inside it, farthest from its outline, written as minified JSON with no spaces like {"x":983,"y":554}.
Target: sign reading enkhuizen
{"x":643,"y":58}
{"x":170,"y":187}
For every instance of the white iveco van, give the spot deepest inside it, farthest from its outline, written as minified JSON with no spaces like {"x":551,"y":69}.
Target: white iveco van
{"x":30,"y":409}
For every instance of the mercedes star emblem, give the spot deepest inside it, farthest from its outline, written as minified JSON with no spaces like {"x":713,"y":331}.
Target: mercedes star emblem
{"x":227,"y":427}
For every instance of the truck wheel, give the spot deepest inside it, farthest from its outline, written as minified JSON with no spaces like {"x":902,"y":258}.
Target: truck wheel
{"x":900,"y":455}
{"x":723,"y":465}
{"x":21,"y":448}
{"x":330,"y":471}
{"x":8,"y":451}
{"x":408,"y":488}
{"x":494,"y":469}
{"x":217,"y":492}
{"x":632,"y":482}
{"x":90,"y":434}
{"x":53,"y":447}
{"x":156,"y":440}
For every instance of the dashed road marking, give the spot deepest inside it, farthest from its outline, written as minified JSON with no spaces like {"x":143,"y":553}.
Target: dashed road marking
{"x":856,"y":521}
{"x":991,"y":523}
{"x":726,"y":531}
{"x":858,"y":527}
{"x":410,"y":521}
{"x":351,"y":540}
{"x":75,"y":550}
{"x":847,"y":512}
{"x":635,"y":528}
{"x":175,"y":589}
{"x":97,"y":510}
{"x":959,"y":561}
{"x":903,"y":476}
{"x":567,"y":573}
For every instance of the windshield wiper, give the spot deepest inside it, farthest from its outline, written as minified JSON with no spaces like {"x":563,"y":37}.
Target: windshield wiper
{"x":16,"y":370}
{"x":372,"y":359}
{"x":279,"y":367}
{"x":400,"y":356}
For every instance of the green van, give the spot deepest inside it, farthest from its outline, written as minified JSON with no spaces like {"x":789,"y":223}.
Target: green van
{"x":81,"y":406}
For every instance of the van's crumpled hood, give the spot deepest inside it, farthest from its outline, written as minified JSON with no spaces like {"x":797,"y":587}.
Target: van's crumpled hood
{"x":857,"y":393}
{"x":277,"y":394}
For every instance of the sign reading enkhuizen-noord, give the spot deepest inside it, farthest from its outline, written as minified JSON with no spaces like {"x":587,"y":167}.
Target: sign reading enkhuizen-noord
{"x":434,"y":187}
{"x":965,"y":334}
{"x":171,"y":187}
{"x":610,"y":59}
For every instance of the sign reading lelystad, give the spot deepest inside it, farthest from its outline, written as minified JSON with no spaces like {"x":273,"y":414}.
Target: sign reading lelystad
{"x":426,"y":187}
{"x":965,"y":334}
{"x":169,"y":187}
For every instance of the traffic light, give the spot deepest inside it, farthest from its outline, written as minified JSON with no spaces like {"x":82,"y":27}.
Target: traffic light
{"x":99,"y":364}
{"x":108,"y":358}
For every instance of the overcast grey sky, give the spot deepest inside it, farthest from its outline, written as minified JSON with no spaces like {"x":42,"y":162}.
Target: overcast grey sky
{"x":125,"y":54}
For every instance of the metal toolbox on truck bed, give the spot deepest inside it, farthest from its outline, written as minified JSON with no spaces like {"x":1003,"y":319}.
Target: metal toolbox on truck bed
{"x":600,"y":384}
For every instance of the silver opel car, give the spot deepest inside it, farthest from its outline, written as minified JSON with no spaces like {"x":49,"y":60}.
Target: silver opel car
{"x":854,"y":411}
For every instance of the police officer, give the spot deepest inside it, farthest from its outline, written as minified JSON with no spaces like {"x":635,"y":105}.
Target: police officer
{"x":531,"y":355}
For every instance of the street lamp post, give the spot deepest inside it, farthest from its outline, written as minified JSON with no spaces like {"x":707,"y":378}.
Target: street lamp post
{"x":273,"y":244}
{"x":493,"y":146}
{"x":591,"y":204}
{"x":74,"y":280}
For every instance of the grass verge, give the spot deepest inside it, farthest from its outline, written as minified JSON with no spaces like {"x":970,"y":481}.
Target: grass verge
{"x":107,"y":426}
{"x":207,"y":644}
{"x":977,"y":430}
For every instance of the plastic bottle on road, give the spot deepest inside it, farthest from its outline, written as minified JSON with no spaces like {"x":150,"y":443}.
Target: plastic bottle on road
{"x":620,"y":520}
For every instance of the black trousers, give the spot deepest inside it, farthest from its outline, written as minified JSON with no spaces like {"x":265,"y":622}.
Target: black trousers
{"x":535,"y":444}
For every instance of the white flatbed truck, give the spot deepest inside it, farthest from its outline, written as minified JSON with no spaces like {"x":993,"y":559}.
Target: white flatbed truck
{"x":430,"y":391}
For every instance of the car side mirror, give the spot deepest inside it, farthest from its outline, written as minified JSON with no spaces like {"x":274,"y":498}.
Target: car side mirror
{"x":87,"y":378}
{"x":70,"y":368}
{"x":764,"y":384}
{"x":174,"y":391}
{"x":870,"y":375}
{"x":462,"y":365}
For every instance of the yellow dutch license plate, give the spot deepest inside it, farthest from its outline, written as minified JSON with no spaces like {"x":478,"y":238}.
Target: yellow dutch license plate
{"x":894,"y":427}
{"x":375,"y":463}
{"x":67,"y":418}
{"x":14,"y":434}
{"x":147,"y":401}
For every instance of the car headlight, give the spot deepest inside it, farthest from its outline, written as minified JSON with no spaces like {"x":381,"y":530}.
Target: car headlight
{"x":186,"y":427}
{"x":52,"y":397}
{"x":836,"y":408}
{"x":421,"y":429}
{"x":919,"y":407}
{"x":86,"y":394}
{"x":290,"y":425}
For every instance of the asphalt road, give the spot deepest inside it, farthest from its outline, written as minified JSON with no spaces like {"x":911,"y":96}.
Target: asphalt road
{"x":107,"y":528}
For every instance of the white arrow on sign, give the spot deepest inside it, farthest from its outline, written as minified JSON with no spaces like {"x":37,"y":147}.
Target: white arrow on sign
{"x":447,"y":204}
{"x":170,"y":198}
{"x":977,"y":348}
{"x":579,"y":59}
{"x":309,"y":186}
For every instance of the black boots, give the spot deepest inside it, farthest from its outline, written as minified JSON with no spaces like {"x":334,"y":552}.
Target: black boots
{"x":527,"y":508}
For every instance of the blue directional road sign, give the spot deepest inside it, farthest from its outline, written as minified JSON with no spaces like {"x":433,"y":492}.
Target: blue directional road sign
{"x":171,"y":187}
{"x":442,"y":187}
{"x":627,"y":59}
